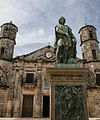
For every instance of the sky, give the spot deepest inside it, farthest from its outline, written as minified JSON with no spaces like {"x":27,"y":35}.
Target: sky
{"x":36,"y":20}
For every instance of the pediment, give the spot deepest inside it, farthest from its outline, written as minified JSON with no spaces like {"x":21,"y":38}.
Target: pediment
{"x":45,"y":54}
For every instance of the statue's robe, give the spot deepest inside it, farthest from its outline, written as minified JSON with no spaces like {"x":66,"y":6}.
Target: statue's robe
{"x":65,"y":37}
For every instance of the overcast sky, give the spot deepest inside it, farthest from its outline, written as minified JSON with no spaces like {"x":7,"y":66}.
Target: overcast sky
{"x":36,"y":20}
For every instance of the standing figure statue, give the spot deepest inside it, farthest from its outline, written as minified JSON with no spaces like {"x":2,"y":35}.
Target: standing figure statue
{"x":65,"y":43}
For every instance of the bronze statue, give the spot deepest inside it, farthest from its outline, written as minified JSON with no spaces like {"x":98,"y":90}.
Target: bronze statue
{"x":65,"y":43}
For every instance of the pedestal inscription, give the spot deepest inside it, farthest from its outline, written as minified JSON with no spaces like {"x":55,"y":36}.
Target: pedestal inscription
{"x":69,"y":103}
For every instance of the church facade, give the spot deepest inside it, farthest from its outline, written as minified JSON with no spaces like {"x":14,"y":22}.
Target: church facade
{"x":24,"y":87}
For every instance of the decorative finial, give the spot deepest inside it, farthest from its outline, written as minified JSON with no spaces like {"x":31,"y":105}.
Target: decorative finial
{"x":11,"y":22}
{"x":48,"y":44}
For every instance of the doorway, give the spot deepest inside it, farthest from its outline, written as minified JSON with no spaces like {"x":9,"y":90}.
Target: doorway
{"x":27,"y":110}
{"x":46,"y":106}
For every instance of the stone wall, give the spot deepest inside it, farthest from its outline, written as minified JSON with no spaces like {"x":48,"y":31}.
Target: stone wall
{"x":94,"y":102}
{"x":8,"y":46}
{"x":3,"y":101}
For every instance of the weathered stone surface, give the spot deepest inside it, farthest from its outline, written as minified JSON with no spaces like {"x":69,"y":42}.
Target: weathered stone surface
{"x":94,"y":102}
{"x":17,"y":94}
{"x":7,"y":40}
{"x":38,"y":95}
{"x":89,"y":42}
{"x":9,"y":112}
{"x":3,"y":101}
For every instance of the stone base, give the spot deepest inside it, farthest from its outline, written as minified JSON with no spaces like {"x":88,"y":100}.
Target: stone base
{"x":68,"y":93}
{"x":67,"y":65}
{"x":37,"y":119}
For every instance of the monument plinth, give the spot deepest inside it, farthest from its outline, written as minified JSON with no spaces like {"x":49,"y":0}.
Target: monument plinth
{"x":68,"y":93}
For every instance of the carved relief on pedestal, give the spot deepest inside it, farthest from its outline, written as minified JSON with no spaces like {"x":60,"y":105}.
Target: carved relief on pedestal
{"x":68,"y":93}
{"x":69,"y":102}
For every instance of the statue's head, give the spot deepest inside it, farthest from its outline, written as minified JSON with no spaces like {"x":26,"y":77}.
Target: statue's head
{"x":62,"y":20}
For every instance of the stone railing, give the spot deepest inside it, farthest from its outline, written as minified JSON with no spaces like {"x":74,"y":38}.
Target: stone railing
{"x":29,"y":85}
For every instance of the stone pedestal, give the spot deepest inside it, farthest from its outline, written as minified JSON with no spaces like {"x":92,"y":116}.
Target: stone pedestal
{"x":68,"y":93}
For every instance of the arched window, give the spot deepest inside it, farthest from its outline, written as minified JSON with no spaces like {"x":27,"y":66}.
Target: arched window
{"x":81,"y":37}
{"x":91,"y":34}
{"x":98,"y":79}
{"x":2,"y":50}
{"x":94,"y":54}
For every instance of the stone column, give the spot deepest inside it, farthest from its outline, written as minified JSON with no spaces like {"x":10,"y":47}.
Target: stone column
{"x":17,"y":96}
{"x":9,"y":112}
{"x":10,"y":82}
{"x":38,"y":95}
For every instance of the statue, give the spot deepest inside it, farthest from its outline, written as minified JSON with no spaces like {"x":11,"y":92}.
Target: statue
{"x":65,"y":43}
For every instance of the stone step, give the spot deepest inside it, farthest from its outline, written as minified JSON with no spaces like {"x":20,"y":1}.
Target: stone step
{"x":37,"y":118}
{"x":24,"y":118}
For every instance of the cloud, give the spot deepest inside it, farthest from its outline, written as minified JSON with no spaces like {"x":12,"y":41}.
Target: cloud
{"x":40,"y":33}
{"x":36,"y":19}
{"x":32,"y":37}
{"x":24,"y":49}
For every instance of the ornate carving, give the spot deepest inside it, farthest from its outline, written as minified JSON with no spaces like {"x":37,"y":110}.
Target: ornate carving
{"x":69,"y":103}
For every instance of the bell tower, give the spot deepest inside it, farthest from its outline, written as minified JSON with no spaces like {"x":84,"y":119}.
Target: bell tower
{"x":7,"y":40}
{"x":89,"y":43}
